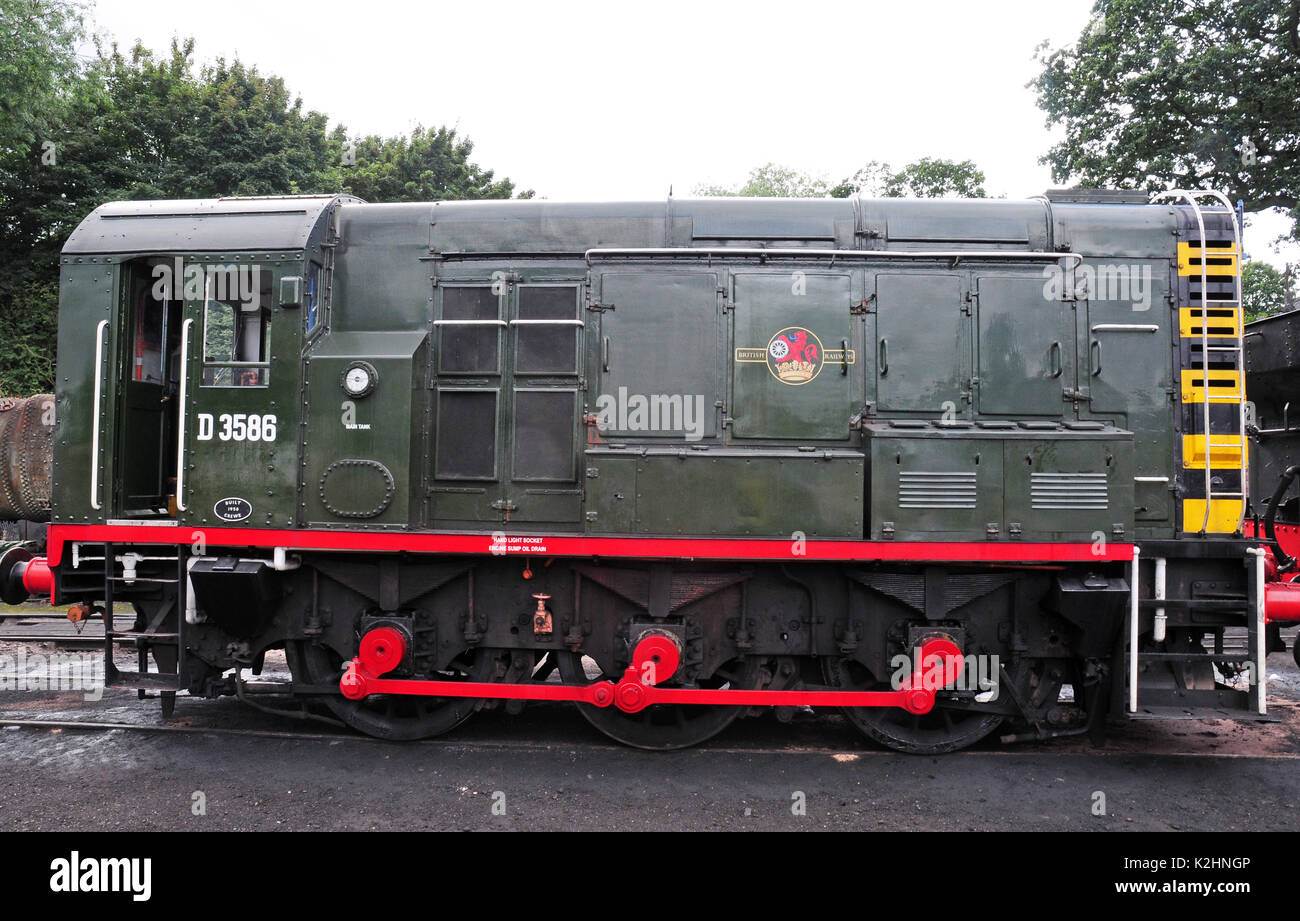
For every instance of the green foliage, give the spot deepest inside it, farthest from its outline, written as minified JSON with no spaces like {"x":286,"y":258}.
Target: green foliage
{"x":929,"y":177}
{"x":1266,"y":291}
{"x":37,"y":44}
{"x":431,"y":164}
{"x":935,"y":178}
{"x":773,"y":181}
{"x":27,"y":331}
{"x":137,"y":125}
{"x":1158,"y":94}
{"x":926,"y":178}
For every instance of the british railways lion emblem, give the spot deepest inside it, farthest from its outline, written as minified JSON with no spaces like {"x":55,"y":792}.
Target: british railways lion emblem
{"x":795,"y":355}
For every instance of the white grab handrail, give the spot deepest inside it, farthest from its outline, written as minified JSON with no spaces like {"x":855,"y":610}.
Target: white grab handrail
{"x":99,"y":400}
{"x":180,"y":415}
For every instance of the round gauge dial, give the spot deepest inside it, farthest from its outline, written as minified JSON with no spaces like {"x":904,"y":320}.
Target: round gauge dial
{"x":360,"y":378}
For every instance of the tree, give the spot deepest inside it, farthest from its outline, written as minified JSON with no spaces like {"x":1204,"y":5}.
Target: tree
{"x":1266,"y":291}
{"x":433,"y":163}
{"x":773,"y":181}
{"x":925,"y":178}
{"x":37,"y":54}
{"x":136,"y":125}
{"x":929,"y":177}
{"x":1159,"y":94}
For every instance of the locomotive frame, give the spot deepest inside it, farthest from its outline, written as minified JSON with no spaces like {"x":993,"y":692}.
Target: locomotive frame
{"x":692,"y":458}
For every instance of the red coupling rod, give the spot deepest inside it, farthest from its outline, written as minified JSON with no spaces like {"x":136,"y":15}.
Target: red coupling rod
{"x":654,"y":660}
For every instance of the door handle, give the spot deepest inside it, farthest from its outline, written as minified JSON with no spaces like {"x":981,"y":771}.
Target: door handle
{"x":1096,"y":351}
{"x":1054,"y":359}
{"x":884,"y":357}
{"x":604,"y":353}
{"x":844,"y":356}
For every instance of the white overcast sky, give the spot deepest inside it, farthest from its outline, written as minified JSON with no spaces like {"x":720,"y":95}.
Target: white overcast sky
{"x":610,"y":100}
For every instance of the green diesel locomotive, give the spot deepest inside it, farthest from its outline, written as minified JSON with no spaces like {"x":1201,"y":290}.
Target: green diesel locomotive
{"x":944,"y":464}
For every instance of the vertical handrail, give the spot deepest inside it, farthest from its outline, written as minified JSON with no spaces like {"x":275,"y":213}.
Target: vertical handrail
{"x":1134,"y":576}
{"x":180,"y":415}
{"x":99,"y":400}
{"x":1241,"y":345}
{"x":1190,"y":198}
{"x":1259,"y":631}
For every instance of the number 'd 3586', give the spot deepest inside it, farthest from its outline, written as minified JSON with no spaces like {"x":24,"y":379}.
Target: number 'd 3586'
{"x":236,"y":427}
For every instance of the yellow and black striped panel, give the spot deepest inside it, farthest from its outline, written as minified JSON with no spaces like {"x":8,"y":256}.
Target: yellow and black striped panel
{"x":1225,"y":452}
{"x":1225,"y":515}
{"x":1219,"y":260}
{"x":1219,"y":321}
{"x":1209,"y":348}
{"x":1224,"y":384}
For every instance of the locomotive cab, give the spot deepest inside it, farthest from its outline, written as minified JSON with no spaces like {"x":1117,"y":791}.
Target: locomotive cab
{"x":193,"y":363}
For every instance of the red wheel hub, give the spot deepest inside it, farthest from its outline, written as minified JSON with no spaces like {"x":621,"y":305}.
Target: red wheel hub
{"x":382,"y":650}
{"x":655,"y":658}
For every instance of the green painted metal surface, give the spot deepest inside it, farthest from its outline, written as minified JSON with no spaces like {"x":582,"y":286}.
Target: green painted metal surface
{"x":685,"y":391}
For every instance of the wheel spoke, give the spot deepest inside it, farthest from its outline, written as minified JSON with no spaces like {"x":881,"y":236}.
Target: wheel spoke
{"x":662,"y":727}
{"x":940,"y":730}
{"x":397,"y":717}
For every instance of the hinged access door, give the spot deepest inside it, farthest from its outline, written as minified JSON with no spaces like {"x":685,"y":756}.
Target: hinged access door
{"x":923,"y":347}
{"x":1026,"y":346}
{"x":657,"y":363}
{"x":795,"y":367}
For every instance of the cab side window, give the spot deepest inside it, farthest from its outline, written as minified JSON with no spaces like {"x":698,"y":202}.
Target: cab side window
{"x":237,"y":330}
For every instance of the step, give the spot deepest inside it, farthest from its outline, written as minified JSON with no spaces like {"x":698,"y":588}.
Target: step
{"x":1199,"y":713}
{"x":1194,"y":657}
{"x":147,"y":681}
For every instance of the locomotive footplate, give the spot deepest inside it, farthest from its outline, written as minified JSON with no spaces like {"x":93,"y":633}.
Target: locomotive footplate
{"x":654,"y":661}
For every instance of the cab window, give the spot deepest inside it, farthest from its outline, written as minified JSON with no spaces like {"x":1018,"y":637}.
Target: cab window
{"x":237,"y":329}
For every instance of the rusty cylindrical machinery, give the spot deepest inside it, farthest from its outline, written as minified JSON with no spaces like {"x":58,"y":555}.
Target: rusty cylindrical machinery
{"x":26,"y":457}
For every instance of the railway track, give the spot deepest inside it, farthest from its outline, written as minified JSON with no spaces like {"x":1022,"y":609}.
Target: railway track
{"x":839,"y":752}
